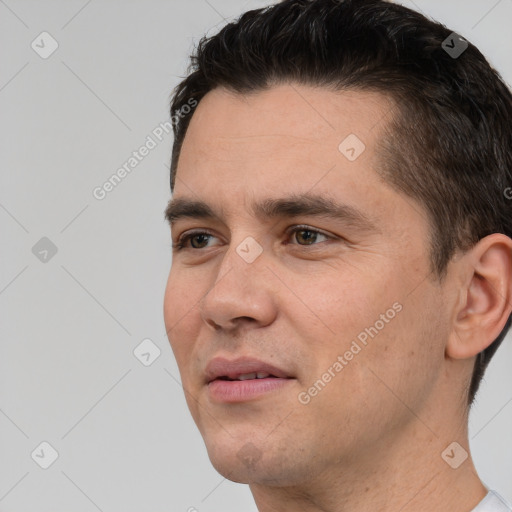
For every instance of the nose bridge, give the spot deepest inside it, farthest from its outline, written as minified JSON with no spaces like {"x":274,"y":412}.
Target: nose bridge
{"x":240,"y":289}
{"x":240,"y":268}
{"x":244,"y":260}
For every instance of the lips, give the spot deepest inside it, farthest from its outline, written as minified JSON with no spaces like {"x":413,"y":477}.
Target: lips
{"x":242,"y":369}
{"x":243,"y":380}
{"x":250,"y":376}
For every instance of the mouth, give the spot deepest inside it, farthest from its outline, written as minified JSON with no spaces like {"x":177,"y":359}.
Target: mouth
{"x":243,"y":379}
{"x":248,"y":376}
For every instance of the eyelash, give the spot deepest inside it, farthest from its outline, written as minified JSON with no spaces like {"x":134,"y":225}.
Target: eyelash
{"x":182,"y":240}
{"x":180,"y":243}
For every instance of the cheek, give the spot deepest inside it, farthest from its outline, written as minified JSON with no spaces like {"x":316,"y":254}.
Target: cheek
{"x":404,"y":360}
{"x":374,"y":323}
{"x":182,"y":295}
{"x":180,"y":318}
{"x":344,"y":302}
{"x":180,"y":305}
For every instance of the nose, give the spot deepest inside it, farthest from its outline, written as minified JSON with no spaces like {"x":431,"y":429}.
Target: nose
{"x":241,"y":294}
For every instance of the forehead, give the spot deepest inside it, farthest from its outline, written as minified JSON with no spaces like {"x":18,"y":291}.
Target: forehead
{"x":292,"y":140}
{"x":287,"y":139}
{"x":284,"y":116}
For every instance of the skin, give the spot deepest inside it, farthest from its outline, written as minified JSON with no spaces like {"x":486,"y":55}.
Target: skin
{"x":372,"y":438}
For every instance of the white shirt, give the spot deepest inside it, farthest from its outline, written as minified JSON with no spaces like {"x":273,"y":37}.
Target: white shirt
{"x":493,"y":502}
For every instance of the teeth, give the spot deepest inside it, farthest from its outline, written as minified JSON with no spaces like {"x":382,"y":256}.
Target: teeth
{"x":247,"y":376}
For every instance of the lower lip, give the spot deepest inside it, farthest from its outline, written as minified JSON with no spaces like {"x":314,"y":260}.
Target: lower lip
{"x":241,"y":390}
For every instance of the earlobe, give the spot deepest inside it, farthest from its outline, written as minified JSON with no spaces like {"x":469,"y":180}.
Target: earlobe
{"x":486,"y":298}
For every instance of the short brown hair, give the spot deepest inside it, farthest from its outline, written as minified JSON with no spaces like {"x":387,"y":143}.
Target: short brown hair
{"x":449,"y":144}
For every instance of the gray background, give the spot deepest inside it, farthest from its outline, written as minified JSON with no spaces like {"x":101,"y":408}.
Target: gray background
{"x":69,"y":325}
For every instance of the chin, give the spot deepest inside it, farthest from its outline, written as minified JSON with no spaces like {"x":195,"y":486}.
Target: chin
{"x":234,"y":469}
{"x":247,"y":463}
{"x":238,"y":460}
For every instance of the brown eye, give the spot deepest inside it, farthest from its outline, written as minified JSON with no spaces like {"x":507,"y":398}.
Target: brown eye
{"x":198,"y":240}
{"x":307,"y":236}
{"x":202,"y":238}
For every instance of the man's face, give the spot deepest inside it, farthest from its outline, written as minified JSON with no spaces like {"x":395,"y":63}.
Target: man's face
{"x":353,"y":289}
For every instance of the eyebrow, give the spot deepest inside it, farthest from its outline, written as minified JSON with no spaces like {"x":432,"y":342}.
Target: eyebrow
{"x":284,"y":207}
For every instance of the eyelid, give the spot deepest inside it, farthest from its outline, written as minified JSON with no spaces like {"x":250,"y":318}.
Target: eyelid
{"x":300,"y":227}
{"x":192,"y":232}
{"x":187,"y":235}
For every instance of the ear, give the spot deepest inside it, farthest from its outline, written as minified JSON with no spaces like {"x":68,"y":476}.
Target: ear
{"x":485,"y":296}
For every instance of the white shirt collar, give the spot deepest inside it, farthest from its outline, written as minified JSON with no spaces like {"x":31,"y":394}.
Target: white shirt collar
{"x":493,"y":502}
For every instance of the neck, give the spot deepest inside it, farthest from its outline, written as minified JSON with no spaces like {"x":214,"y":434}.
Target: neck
{"x":405,"y":472}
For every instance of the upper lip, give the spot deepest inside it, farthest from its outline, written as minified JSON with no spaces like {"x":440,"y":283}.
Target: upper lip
{"x":221,"y":367}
